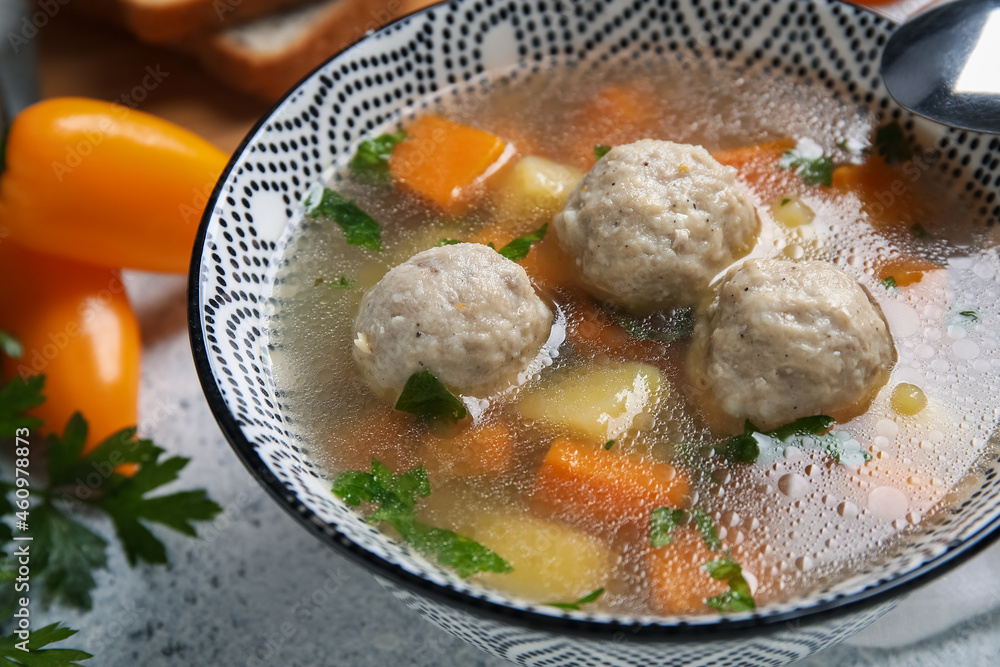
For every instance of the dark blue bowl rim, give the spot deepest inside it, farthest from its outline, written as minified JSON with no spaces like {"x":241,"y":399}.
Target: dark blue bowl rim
{"x":884,"y":591}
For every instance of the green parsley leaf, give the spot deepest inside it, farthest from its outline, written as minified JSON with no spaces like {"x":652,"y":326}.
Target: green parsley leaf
{"x":813,"y":170}
{"x":37,"y":656}
{"x":807,"y":432}
{"x":396,"y":496}
{"x":709,"y":533}
{"x":785,"y":201}
{"x":64,"y":555}
{"x":344,"y":283}
{"x":575,"y":606}
{"x":921,"y":233}
{"x":892,"y":144}
{"x":971,"y":314}
{"x":371,"y":161}
{"x":360,"y":229}
{"x":443,"y":242}
{"x":16,"y":397}
{"x":10,"y":345}
{"x":463,"y":554}
{"x":518,"y":249}
{"x":425,"y":396}
{"x":609,"y":444}
{"x":815,"y":425}
{"x":600,"y":150}
{"x":742,"y":448}
{"x":662,"y":522}
{"x":123,"y":498}
{"x":889,"y":283}
{"x":738,"y":597}
{"x":663,"y":326}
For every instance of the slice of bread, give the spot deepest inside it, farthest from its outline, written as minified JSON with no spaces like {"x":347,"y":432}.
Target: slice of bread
{"x":269,"y":55}
{"x":161,"y":21}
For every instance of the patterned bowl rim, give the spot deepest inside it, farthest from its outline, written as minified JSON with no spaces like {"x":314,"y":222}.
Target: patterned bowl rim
{"x":884,"y":590}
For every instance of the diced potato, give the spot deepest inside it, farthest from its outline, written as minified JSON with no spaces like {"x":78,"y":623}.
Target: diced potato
{"x":599,"y":403}
{"x":551,"y":561}
{"x":536,"y":189}
{"x":792,"y":212}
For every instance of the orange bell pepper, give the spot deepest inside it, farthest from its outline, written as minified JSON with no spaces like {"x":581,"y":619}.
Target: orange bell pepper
{"x":76,"y":326}
{"x":104,"y":184}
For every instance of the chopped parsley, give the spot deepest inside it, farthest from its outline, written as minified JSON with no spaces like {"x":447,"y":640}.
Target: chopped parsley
{"x":446,"y":242}
{"x":426,"y":396}
{"x":921,"y":233}
{"x":889,"y":283}
{"x":663,"y":326}
{"x":600,"y":150}
{"x":785,"y":201}
{"x":663,"y":520}
{"x":971,"y":314}
{"x":738,"y":597}
{"x":360,"y":229}
{"x":609,"y":444}
{"x":575,"y":606}
{"x":396,"y":496}
{"x":371,"y":161}
{"x":891,"y":143}
{"x":17,"y":397}
{"x":519,"y":248}
{"x":813,"y":169}
{"x":806,"y":432}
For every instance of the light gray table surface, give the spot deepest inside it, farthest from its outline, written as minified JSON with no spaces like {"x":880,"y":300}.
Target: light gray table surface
{"x":257,"y":589}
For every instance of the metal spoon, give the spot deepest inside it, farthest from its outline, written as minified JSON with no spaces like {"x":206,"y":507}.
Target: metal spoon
{"x":945,"y":64}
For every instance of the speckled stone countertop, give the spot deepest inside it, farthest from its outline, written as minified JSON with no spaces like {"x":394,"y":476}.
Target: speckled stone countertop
{"x":257,"y":589}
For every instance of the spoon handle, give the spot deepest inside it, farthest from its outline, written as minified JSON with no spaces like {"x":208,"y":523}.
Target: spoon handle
{"x":18,"y":64}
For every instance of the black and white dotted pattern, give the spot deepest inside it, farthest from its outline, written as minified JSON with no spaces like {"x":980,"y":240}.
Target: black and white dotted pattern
{"x":447,"y":47}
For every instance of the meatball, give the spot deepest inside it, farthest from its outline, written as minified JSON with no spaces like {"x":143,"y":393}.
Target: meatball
{"x":783,"y":340}
{"x":654,"y":222}
{"x":464,"y":312}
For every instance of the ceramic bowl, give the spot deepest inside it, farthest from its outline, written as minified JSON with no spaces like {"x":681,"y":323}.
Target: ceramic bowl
{"x":319,"y":124}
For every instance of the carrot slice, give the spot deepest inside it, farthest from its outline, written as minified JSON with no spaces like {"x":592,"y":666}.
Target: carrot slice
{"x":678,"y":583}
{"x":602,"y":489}
{"x":885,"y":194}
{"x":441,"y":161}
{"x":758,"y":168}
{"x":482,"y":450}
{"x":617,"y":114}
{"x":906,"y":270}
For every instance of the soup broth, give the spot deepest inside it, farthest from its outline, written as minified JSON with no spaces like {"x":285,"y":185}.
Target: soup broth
{"x":806,"y":511}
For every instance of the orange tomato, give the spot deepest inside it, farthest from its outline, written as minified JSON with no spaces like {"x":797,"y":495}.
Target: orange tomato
{"x":76,"y":326}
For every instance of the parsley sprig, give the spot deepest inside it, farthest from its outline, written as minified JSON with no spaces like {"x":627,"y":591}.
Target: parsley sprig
{"x":663,"y":520}
{"x":396,"y":496}
{"x":738,"y":597}
{"x":518,"y":249}
{"x":806,"y":432}
{"x":426,"y":396}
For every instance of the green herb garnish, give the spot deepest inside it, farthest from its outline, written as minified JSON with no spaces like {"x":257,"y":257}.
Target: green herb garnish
{"x":892,"y":144}
{"x":806,"y":432}
{"x":709,"y":533}
{"x":740,"y":448}
{"x":738,"y":597}
{"x":662,"y":522}
{"x":971,"y":314}
{"x":575,"y":606}
{"x":17,"y":397}
{"x":396,"y":496}
{"x":425,"y":396}
{"x":921,"y":233}
{"x":371,"y":161}
{"x":609,"y":444}
{"x":30,"y":652}
{"x":889,"y":283}
{"x":812,"y":170}
{"x":600,"y":150}
{"x":443,"y":242}
{"x":518,"y":249}
{"x":360,"y":229}
{"x":663,"y":326}
{"x":785,"y":201}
